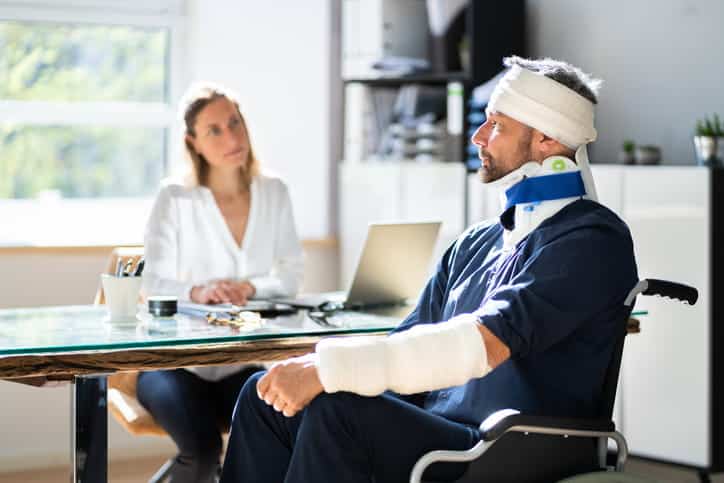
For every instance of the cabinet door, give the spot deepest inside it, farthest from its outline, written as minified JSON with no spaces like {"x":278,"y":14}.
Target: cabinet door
{"x":609,"y":180}
{"x":368,"y":192}
{"x":397,"y":191}
{"x":435,"y":192}
{"x":609,"y":185}
{"x":665,"y":373}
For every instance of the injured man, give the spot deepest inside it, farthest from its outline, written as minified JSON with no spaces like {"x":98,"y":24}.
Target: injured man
{"x":521,"y":313}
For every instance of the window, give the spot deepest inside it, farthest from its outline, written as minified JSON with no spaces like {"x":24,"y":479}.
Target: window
{"x":85,"y":129}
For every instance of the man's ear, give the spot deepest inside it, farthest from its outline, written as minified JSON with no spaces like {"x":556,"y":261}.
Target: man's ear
{"x":545,"y":146}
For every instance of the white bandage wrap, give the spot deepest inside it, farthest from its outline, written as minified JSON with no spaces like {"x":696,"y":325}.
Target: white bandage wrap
{"x":553,"y":109}
{"x":546,"y":105}
{"x":423,"y":358}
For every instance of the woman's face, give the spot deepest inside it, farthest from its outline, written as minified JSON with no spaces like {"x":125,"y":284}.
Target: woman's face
{"x":221,"y":136}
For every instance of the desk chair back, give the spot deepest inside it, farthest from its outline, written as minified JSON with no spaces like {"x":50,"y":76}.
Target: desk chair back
{"x":122,"y":400}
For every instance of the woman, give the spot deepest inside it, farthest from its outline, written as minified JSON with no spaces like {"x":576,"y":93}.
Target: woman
{"x":225,"y":235}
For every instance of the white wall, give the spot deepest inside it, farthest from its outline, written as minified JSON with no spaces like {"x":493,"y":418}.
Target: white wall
{"x":35,"y":424}
{"x":662,"y":63}
{"x":276,"y":55}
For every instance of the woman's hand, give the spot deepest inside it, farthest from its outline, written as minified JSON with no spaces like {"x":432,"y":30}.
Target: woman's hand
{"x":290,"y":385}
{"x":223,"y":291}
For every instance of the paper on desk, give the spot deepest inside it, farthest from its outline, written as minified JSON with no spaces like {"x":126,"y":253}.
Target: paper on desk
{"x":251,"y":306}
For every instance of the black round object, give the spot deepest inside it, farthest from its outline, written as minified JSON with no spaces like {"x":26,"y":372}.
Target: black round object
{"x":162,"y":306}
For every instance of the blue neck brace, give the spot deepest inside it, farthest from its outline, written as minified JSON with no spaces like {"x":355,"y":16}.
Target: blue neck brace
{"x":545,"y":188}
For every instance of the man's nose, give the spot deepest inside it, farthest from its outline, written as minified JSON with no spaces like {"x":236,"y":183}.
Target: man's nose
{"x":479,"y":138}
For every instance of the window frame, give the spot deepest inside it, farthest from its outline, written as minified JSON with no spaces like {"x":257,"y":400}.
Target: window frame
{"x":168,"y":14}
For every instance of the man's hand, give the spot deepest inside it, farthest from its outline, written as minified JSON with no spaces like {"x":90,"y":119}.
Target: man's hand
{"x":223,"y":291}
{"x":290,"y":385}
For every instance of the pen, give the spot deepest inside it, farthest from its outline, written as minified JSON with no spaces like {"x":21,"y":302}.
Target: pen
{"x":139,"y":268}
{"x":127,"y":270}
{"x":119,"y":268}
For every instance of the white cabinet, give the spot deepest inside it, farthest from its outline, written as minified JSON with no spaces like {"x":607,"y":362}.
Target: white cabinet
{"x":397,"y":191}
{"x":667,"y":407}
{"x":666,"y":372}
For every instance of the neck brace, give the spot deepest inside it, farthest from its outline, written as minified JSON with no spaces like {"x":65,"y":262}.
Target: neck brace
{"x":545,"y":187}
{"x":535,"y":206}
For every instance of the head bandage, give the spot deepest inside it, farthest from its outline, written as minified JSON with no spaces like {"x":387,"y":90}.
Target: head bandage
{"x":553,"y":109}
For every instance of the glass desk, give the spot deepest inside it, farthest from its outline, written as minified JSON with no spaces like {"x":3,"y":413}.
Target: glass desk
{"x":78,"y":344}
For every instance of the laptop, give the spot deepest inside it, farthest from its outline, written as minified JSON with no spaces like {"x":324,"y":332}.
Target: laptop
{"x":392,"y":268}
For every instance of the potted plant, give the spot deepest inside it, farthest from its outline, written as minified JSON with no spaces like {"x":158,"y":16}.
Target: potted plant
{"x":627,"y":152}
{"x":709,"y":141}
{"x":647,"y":154}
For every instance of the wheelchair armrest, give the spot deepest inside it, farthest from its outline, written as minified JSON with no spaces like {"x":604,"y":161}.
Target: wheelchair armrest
{"x":506,"y":420}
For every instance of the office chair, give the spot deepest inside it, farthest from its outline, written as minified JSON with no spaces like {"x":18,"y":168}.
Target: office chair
{"x":522,"y":448}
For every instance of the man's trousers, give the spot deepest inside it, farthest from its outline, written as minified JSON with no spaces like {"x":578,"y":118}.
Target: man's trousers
{"x":339,"y":437}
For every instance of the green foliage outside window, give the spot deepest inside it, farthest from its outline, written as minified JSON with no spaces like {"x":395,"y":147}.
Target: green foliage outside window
{"x":58,"y":62}
{"x":80,"y":162}
{"x":81,"y":63}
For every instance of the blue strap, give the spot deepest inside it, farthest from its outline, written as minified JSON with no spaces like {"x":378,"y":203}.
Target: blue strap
{"x":545,"y":188}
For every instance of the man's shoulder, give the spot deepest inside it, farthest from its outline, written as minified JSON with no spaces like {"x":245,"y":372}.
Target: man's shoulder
{"x":485,"y":229}
{"x":584,"y":219}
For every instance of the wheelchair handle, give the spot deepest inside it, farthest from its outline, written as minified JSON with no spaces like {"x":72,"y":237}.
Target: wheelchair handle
{"x":664,"y":288}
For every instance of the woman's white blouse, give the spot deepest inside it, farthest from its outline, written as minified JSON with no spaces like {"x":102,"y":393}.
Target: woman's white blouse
{"x":187,"y":242}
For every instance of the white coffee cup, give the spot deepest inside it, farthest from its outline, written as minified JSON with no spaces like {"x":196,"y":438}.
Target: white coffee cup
{"x":122,"y":295}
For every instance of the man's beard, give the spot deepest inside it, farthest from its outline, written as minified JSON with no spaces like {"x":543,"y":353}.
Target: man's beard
{"x":495,"y":169}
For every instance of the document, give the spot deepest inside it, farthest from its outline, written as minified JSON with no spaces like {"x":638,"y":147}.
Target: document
{"x":265,"y":307}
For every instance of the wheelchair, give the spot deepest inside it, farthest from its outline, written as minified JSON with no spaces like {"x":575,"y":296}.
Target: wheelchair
{"x":522,"y":448}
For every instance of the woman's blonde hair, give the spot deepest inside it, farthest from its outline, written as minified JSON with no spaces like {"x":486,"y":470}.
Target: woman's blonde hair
{"x":196,"y":98}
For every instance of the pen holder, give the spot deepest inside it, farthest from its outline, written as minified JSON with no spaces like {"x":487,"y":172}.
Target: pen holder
{"x":122,"y":295}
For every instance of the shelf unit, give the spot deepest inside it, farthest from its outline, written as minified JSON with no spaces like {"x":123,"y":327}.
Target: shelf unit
{"x":424,"y":79}
{"x":492,"y":31}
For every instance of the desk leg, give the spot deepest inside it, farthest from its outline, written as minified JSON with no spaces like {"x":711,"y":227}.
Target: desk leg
{"x":89,"y":430}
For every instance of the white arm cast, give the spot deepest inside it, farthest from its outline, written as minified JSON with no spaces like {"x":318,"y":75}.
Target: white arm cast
{"x":423,"y":358}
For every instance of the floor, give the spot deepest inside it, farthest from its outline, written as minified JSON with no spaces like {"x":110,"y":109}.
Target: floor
{"x":665,"y":473}
{"x":141,"y":469}
{"x":134,"y":471}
